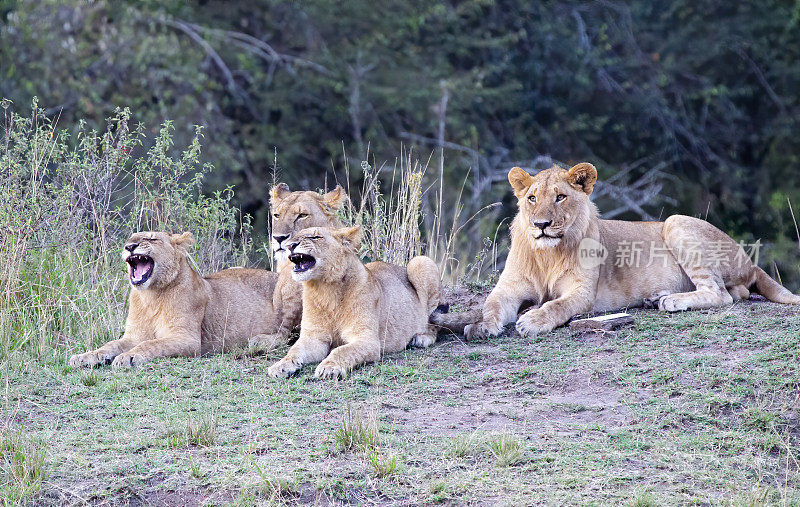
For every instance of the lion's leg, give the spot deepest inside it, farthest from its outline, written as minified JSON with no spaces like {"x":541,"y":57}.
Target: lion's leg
{"x":424,"y":277}
{"x":311,"y":347}
{"x":174,"y":343}
{"x":709,"y":292}
{"x":355,"y":352}
{"x":106,"y":353}
{"x":499,"y":309}
{"x":424,"y":340}
{"x":690,"y":241}
{"x":558,"y":311}
{"x":288,"y":302}
{"x":652,"y":301}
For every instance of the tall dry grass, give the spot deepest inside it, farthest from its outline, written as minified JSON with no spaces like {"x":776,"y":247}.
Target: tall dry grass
{"x":403,"y":215}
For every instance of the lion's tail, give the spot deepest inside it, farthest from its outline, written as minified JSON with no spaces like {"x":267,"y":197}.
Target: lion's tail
{"x":456,"y":322}
{"x":772,"y":290}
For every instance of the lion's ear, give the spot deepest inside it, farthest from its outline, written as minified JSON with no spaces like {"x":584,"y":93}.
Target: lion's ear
{"x":520,"y":181}
{"x":185,"y":240}
{"x":335,"y":198}
{"x":279,"y":191}
{"x":583,"y":176}
{"x":349,"y":236}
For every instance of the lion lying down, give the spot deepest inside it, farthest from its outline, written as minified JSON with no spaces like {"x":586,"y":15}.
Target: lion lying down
{"x":291,"y":212}
{"x":360,"y":311}
{"x":567,"y":261}
{"x":173,"y":311}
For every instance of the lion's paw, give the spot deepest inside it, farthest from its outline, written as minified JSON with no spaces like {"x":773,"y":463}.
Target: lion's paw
{"x":90,"y":359}
{"x":422,"y":341}
{"x":534,"y":322}
{"x":330,"y":369}
{"x":128,"y":360}
{"x":283,"y":368}
{"x":673,"y":303}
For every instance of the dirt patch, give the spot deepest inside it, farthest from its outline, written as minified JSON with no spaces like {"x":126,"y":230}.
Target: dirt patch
{"x":502,"y":405}
{"x":181,"y":494}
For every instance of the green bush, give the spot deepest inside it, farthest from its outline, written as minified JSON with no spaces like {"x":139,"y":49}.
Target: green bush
{"x":66,"y":208}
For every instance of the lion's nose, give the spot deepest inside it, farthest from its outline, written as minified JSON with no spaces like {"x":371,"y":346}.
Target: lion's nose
{"x":280,"y":238}
{"x":292,"y":246}
{"x":542,"y":224}
{"x":131,"y":246}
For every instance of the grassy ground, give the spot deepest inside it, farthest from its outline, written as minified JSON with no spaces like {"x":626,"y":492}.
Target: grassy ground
{"x":700,"y":407}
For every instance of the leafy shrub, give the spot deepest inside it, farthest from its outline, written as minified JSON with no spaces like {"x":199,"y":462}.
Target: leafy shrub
{"x":66,"y":211}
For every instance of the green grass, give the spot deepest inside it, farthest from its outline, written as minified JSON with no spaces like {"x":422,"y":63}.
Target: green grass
{"x":22,"y":466}
{"x":650,"y":415}
{"x":506,"y":449}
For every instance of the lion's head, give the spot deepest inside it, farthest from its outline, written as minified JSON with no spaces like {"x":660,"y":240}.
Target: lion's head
{"x":321,"y":253}
{"x":294,"y":211}
{"x":554,"y":205}
{"x":154,"y":258}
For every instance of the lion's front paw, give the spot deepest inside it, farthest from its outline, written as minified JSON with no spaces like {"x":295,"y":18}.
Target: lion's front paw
{"x":330,"y":369}
{"x":283,"y":368}
{"x":534,"y":322}
{"x":128,"y":360}
{"x":89,"y":359}
{"x":263,"y":342}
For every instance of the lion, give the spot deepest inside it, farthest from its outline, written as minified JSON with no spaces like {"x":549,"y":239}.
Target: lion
{"x":567,"y":261}
{"x":291,"y":212}
{"x":173,"y":311}
{"x":352,"y":312}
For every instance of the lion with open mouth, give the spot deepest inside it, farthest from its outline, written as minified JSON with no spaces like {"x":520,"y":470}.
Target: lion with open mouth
{"x":173,"y":311}
{"x":352,"y":312}
{"x":293,"y":211}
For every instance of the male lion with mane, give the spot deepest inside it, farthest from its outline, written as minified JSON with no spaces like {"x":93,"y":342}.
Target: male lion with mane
{"x":173,"y":311}
{"x":359,"y":311}
{"x":291,"y":212}
{"x":682,"y":263}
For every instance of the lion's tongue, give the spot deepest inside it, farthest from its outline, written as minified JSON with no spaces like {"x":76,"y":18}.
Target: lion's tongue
{"x":140,"y":269}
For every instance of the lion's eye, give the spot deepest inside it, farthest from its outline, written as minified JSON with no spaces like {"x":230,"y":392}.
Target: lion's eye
{"x":302,"y":215}
{"x":314,"y":238}
{"x":560,"y":197}
{"x":532,"y":198}
{"x":275,"y":215}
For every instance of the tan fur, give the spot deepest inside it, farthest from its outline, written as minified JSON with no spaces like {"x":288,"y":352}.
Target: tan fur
{"x":353,"y":313}
{"x":179,"y":313}
{"x":543,"y":266}
{"x":292,"y":212}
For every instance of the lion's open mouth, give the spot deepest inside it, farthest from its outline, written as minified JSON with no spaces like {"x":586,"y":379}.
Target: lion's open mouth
{"x":302,"y":262}
{"x":141,"y":267}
